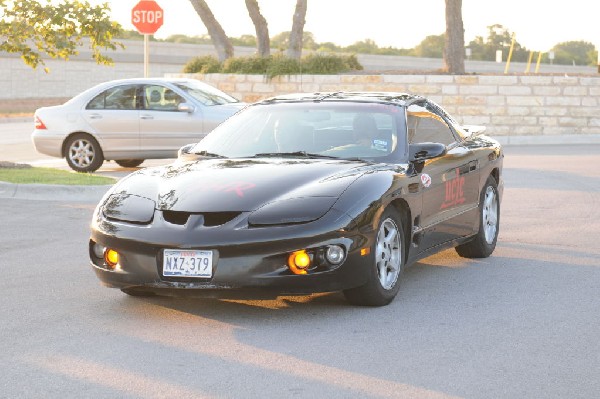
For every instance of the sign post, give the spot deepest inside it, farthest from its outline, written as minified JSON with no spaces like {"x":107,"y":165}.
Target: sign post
{"x":147,"y":17}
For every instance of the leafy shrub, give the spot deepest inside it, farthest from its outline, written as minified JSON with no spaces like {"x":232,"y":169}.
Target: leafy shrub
{"x":203,"y":64}
{"x":281,"y":65}
{"x":353,"y":63}
{"x":276,"y":65}
{"x":324,"y":64}
{"x":246,"y":65}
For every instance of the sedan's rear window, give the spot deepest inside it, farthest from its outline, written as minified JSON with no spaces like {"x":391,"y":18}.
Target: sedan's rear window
{"x":120,"y":97}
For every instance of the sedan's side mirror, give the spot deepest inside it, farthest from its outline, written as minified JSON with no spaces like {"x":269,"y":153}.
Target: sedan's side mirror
{"x":186,"y":107}
{"x":421,"y":152}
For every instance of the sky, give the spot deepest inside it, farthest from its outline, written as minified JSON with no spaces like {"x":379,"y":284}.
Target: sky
{"x":538,"y":24}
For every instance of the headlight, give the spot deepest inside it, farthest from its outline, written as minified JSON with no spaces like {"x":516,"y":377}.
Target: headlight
{"x":291,"y":211}
{"x":335,"y":254}
{"x":129,"y":208}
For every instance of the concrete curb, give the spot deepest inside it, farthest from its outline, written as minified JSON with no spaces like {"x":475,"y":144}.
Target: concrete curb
{"x":52,"y":192}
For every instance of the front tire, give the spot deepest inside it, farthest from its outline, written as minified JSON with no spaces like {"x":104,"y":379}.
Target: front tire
{"x":484,"y":242}
{"x":387,"y":264}
{"x":83,"y":153}
{"x":129,"y":163}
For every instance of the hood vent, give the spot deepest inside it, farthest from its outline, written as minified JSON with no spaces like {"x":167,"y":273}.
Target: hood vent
{"x":211,"y":219}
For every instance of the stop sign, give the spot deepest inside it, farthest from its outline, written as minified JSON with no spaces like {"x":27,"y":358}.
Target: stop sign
{"x":147,"y":17}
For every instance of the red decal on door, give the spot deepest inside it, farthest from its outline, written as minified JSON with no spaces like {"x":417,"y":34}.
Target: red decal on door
{"x":454,"y":191}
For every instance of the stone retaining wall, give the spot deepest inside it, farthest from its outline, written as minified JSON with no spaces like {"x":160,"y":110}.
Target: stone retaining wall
{"x":508,"y":105}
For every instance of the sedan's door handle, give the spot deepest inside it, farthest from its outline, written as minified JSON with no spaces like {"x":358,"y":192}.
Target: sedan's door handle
{"x":95,"y":116}
{"x":146,"y":117}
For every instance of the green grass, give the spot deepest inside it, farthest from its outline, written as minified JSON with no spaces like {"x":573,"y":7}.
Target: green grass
{"x":52,"y":176}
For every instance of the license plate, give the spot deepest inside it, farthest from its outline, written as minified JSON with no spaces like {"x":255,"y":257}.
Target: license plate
{"x":187,"y":263}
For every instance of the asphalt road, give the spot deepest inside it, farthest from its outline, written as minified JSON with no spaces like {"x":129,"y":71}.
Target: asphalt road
{"x":521,"y":324}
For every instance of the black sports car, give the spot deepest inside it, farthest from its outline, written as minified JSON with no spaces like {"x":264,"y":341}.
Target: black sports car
{"x":300,"y":194}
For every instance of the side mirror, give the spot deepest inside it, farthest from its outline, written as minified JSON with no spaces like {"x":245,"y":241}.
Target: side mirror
{"x":186,"y":107}
{"x":421,"y":152}
{"x":185,"y":150}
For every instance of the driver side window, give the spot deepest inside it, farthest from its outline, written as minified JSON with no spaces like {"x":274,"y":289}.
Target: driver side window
{"x":425,"y":126}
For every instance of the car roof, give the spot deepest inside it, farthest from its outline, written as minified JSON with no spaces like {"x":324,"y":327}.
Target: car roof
{"x":396,"y":98}
{"x":144,"y":81}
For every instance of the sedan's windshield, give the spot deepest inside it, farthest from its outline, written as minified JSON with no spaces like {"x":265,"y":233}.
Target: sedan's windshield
{"x":324,"y":129}
{"x":205,"y":94}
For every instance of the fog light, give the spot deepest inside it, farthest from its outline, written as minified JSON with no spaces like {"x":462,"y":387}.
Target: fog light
{"x":335,"y":254}
{"x":111,"y":257}
{"x":299,"y":261}
{"x":98,"y":250}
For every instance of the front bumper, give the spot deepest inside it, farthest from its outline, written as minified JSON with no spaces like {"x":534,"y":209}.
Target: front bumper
{"x":246,"y":261}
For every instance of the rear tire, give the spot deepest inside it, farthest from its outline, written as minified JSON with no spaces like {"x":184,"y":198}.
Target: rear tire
{"x":484,"y":242}
{"x":387,"y":264}
{"x":83,"y":153}
{"x":129,"y":163}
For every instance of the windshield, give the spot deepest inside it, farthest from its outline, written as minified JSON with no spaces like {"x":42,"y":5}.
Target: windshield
{"x":205,"y":94}
{"x":326,"y":129}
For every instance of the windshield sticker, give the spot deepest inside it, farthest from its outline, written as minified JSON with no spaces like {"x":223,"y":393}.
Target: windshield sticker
{"x":380,"y":145}
{"x":426,"y":180}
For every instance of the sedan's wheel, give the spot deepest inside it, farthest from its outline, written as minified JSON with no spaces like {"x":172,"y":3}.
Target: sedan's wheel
{"x":83,"y":153}
{"x":484,"y":242}
{"x":129,"y":163}
{"x":387,"y":258}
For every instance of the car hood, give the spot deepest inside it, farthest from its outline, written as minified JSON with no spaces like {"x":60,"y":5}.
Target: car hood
{"x":240,"y":185}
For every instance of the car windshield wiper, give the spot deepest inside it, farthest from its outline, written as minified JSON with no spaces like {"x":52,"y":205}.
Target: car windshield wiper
{"x":303,"y":154}
{"x":209,"y":154}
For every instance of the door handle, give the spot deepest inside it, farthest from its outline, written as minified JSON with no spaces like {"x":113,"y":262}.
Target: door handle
{"x":95,"y":116}
{"x":146,"y":117}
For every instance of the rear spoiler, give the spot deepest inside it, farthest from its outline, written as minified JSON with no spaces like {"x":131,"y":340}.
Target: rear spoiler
{"x":473,"y":130}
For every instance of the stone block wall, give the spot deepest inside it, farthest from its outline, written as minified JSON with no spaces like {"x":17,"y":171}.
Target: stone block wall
{"x":510,"y":105}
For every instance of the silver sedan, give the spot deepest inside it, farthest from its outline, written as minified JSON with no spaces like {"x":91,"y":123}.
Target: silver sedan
{"x":130,"y":120}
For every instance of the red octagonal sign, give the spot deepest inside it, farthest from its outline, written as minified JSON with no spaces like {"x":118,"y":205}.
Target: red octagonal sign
{"x":147,"y":17}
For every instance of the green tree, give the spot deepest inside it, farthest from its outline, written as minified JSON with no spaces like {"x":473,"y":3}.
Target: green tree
{"x":215,"y":30}
{"x":431,"y":47}
{"x":262,"y":41}
{"x":499,"y":38}
{"x":367,"y":46}
{"x":244,"y":40}
{"x":575,"y":52}
{"x":281,"y":41}
{"x":34,"y":30}
{"x":294,"y":50}
{"x":454,"y":43}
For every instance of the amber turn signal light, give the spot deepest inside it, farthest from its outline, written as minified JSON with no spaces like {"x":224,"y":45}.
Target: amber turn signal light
{"x":298,"y":262}
{"x":111,"y":257}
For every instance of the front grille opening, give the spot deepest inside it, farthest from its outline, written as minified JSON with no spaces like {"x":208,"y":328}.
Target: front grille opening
{"x":211,"y":219}
{"x":218,"y":218}
{"x":176,"y":217}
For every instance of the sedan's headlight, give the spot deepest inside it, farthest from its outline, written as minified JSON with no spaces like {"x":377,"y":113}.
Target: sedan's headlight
{"x":129,"y":208}
{"x":292,"y":211}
